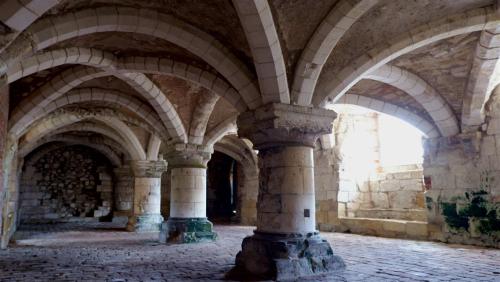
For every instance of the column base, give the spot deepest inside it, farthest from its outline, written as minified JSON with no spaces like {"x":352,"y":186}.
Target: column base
{"x":145,"y":223}
{"x":187,"y":230}
{"x":284,"y":257}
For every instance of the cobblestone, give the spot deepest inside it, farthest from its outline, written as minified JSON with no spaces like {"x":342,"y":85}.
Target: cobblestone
{"x":103,"y":252}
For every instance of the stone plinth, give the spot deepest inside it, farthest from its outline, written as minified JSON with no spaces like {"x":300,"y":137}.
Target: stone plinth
{"x":286,"y":244}
{"x":147,"y":198}
{"x":284,"y":257}
{"x":187,"y":230}
{"x":188,"y":201}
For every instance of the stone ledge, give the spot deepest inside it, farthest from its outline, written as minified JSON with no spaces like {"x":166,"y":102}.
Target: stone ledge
{"x":384,"y":227}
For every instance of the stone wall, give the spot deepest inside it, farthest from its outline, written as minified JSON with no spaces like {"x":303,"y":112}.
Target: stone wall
{"x":462,"y":177}
{"x":463,"y":200}
{"x":64,"y":183}
{"x":387,"y":194}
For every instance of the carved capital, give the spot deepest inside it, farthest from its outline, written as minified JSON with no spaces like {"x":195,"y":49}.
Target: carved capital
{"x":282,"y":124}
{"x":188,"y":155}
{"x":149,"y":169}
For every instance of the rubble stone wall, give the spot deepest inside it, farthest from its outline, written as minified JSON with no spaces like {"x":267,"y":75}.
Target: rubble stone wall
{"x":65,"y":183}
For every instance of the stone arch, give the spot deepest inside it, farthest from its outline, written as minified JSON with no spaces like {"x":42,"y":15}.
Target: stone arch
{"x":69,"y":141}
{"x":427,"y":128}
{"x":484,"y":76}
{"x":260,"y":31}
{"x":91,"y":94}
{"x":108,"y":62}
{"x":52,"y":30}
{"x":64,"y":118}
{"x":460,"y":23}
{"x":71,"y":78}
{"x":18,"y":15}
{"x":234,"y":148}
{"x":423,"y":93}
{"x":153,"y":149}
{"x":219,"y":131}
{"x":200,"y":118}
{"x":344,"y":14}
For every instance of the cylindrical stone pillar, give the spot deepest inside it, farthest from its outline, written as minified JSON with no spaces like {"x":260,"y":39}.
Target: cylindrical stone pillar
{"x":124,"y":194}
{"x":285,"y":245}
{"x":124,"y":189}
{"x":188,"y":192}
{"x":188,"y":222}
{"x":286,"y":200}
{"x":146,"y":215}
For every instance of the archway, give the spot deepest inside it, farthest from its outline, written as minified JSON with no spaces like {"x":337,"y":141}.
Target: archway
{"x":222,"y":188}
{"x":376,"y":161}
{"x":66,"y":183}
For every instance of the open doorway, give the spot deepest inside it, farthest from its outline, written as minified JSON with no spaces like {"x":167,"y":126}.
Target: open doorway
{"x":379,"y":170}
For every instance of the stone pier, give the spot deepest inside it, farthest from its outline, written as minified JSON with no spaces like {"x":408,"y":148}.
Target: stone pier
{"x":124,"y":193}
{"x":146,"y":215}
{"x":285,"y":244}
{"x":188,"y":221}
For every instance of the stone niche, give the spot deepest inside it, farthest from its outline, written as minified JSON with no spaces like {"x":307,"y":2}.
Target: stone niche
{"x":66,"y":184}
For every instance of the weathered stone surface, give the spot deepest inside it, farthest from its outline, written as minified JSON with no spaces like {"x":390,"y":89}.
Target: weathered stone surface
{"x":284,"y":257}
{"x":187,"y":230}
{"x":64,"y":183}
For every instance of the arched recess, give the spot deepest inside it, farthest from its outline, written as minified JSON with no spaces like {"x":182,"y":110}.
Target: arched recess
{"x":112,"y":139}
{"x":248,"y":189}
{"x":423,"y":93}
{"x":335,"y":85}
{"x":343,"y":14}
{"x":484,"y":76}
{"x":63,"y":141}
{"x":427,"y":128}
{"x":82,"y":95}
{"x":224,"y":128}
{"x":52,"y":30}
{"x":64,"y":118}
{"x":73,"y":77}
{"x":106,"y":61}
{"x":258,"y":24}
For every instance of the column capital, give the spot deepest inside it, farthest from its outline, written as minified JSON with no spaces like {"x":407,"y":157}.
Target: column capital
{"x":281,"y":124}
{"x":188,"y":155}
{"x":149,"y":169}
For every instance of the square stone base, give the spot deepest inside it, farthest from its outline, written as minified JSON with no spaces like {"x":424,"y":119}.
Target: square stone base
{"x":284,"y":257}
{"x":145,"y":223}
{"x":187,"y":230}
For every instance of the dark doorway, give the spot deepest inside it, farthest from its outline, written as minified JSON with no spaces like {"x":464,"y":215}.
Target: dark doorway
{"x":222,"y":194}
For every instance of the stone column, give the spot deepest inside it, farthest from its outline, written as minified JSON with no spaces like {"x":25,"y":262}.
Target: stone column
{"x":188,"y":221}
{"x":4,"y":118}
{"x":146,"y":215}
{"x":285,"y":244}
{"x":124,"y":193}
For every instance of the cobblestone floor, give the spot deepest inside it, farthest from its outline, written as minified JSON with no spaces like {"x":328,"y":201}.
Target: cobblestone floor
{"x":105,"y":253}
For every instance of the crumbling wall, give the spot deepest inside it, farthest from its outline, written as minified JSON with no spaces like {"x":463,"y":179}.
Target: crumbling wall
{"x":69,"y":182}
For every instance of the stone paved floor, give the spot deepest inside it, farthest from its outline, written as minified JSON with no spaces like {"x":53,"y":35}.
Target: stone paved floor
{"x":98,"y":253}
